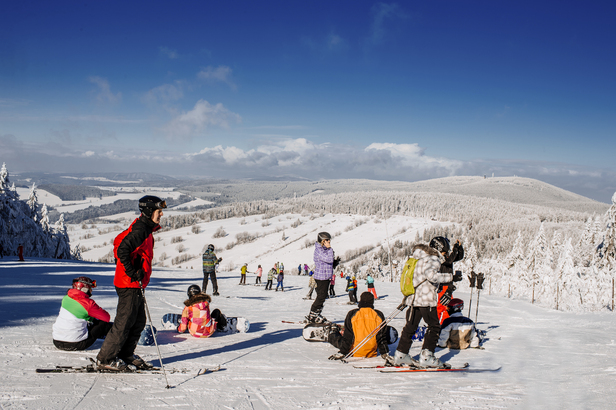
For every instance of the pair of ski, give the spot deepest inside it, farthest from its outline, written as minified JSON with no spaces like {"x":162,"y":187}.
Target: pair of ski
{"x":412,"y":369}
{"x":92,"y":368}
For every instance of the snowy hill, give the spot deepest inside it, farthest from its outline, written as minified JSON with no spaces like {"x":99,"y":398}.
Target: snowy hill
{"x":549,"y":359}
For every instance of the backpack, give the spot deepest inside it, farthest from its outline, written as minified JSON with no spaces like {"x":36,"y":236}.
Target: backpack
{"x":406,"y":278}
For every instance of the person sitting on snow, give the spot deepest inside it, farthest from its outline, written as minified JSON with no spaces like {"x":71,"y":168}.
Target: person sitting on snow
{"x":196,"y":317}
{"x":81,"y":321}
{"x":358,"y":324}
{"x":458,"y":331}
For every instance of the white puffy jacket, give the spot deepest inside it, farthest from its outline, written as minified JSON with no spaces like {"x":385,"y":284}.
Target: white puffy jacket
{"x":426,"y":277}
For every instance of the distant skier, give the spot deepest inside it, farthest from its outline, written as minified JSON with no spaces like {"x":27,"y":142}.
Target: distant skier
{"x":196,"y":317}
{"x":325,"y":263}
{"x":270,"y":278}
{"x":312,"y":284}
{"x":299,"y":270}
{"x":259,"y":273}
{"x":209,"y":269}
{"x":134,"y":251}
{"x":457,"y":331}
{"x":20,"y":252}
{"x":332,"y":283}
{"x":306,"y":268}
{"x":352,"y":289}
{"x":445,"y":291}
{"x":243,"y":272}
{"x":280,"y":279}
{"x":81,"y":321}
{"x":370,"y":284}
{"x":426,"y":278}
{"x":358,"y":324}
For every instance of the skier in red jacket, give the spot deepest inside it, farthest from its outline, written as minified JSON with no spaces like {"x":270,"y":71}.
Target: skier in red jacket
{"x":134,"y":251}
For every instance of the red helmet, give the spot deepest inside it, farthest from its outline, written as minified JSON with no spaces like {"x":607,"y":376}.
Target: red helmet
{"x":456,"y":305}
{"x":84,"y":284}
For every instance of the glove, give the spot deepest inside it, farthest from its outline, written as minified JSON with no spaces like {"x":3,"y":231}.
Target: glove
{"x":336,"y":261}
{"x":457,"y":277}
{"x":480,"y":279}
{"x":138,"y":277}
{"x":445,"y":299}
{"x":389,"y":360}
{"x":337,"y":356}
{"x":219,"y":260}
{"x":471,"y":279}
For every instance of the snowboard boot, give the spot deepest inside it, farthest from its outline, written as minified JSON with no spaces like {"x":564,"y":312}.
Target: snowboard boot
{"x":315,"y":317}
{"x":427,"y":359}
{"x":404,"y":359}
{"x":138,"y":362}
{"x":216,"y":293}
{"x":116,"y":365}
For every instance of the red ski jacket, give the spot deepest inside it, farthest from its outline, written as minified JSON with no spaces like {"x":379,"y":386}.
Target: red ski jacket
{"x":134,"y":251}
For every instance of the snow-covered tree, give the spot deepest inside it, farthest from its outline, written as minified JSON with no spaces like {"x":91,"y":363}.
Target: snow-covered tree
{"x":33,"y":203}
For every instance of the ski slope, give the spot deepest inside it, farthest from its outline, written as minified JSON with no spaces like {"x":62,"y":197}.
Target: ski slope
{"x":550,"y":359}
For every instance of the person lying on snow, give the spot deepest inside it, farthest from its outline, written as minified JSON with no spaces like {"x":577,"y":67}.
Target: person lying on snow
{"x":196,"y":317}
{"x":81,"y":321}
{"x":458,"y":331}
{"x":358,"y":324}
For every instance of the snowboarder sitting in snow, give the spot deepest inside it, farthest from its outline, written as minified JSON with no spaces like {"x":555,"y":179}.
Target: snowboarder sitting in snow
{"x":457,"y":331}
{"x":81,"y":321}
{"x":358,"y":324}
{"x":196,"y":317}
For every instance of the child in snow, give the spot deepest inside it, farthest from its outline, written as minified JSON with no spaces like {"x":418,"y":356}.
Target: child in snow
{"x":332,"y":282}
{"x":243,"y":272}
{"x":270,"y":278}
{"x":457,"y":331}
{"x":358,"y":324}
{"x":280,"y":278}
{"x":352,"y":289}
{"x":306,"y":268}
{"x":259,"y":272}
{"x":445,"y":290}
{"x":81,"y":321}
{"x":370,"y":284}
{"x":196,"y":317}
{"x":312,"y":284}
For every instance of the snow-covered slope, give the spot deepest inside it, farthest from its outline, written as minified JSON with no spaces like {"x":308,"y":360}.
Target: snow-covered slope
{"x":549,"y":359}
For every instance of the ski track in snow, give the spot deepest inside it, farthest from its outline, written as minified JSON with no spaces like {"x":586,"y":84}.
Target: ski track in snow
{"x":272,"y":367}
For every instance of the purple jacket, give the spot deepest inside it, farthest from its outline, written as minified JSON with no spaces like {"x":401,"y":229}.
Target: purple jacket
{"x":324,"y":262}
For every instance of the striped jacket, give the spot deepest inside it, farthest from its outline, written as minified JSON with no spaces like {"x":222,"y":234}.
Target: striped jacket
{"x":76,"y":312}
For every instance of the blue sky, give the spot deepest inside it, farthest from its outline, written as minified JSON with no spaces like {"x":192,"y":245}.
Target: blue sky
{"x":319,"y":89}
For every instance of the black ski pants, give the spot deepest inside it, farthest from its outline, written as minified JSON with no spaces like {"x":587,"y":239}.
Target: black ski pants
{"x":129,"y":322}
{"x":322,"y":289}
{"x":212,"y":276}
{"x":98,"y":330}
{"x":413,"y":317}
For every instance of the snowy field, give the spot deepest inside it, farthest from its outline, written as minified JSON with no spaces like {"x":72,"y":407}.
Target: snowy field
{"x":549,"y":359}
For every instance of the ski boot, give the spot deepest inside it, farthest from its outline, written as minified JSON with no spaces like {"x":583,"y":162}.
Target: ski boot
{"x":404,"y":359}
{"x":138,"y":362}
{"x":116,"y":365}
{"x":427,"y":359}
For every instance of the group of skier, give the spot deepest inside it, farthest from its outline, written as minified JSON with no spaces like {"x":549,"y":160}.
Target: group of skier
{"x":81,"y":321}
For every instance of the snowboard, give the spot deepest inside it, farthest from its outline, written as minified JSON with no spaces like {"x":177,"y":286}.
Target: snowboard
{"x":235,"y":325}
{"x":147,"y":336}
{"x":319,"y":332}
{"x":171,"y":321}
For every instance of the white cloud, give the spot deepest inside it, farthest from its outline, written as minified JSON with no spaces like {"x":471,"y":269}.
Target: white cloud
{"x":164,"y":94}
{"x":105,"y":95}
{"x":221,"y":74}
{"x":197,"y":121}
{"x":383,"y":17}
{"x":167,"y":52}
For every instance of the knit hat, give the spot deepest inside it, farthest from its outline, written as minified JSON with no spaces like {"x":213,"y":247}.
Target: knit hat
{"x":366,"y":300}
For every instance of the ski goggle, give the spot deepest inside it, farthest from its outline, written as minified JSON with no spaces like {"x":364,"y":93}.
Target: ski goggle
{"x":156,"y":205}
{"x":91,"y":284}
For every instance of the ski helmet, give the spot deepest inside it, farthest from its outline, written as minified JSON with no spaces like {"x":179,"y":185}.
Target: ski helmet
{"x":323,"y":236}
{"x":193,"y":290}
{"x":440,"y":243}
{"x":210,"y":247}
{"x":84,"y":284}
{"x":456,"y":305}
{"x":149,"y":203}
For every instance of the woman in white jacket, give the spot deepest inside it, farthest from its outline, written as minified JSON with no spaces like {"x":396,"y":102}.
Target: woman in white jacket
{"x":426,"y":279}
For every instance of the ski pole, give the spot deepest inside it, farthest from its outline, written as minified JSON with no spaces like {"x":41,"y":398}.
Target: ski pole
{"x":477,"y":307}
{"x":147,"y":310}
{"x":470,"y":303}
{"x":384,"y":323}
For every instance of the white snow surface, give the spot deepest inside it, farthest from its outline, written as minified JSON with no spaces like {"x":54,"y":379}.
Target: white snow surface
{"x":549,"y":359}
